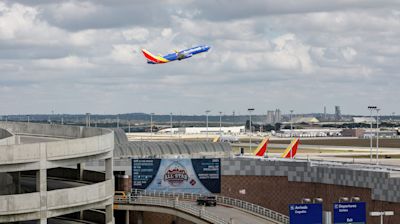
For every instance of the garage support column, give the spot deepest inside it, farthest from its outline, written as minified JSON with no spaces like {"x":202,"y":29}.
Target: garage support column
{"x":41,"y":187}
{"x":109,"y":214}
{"x":41,"y":184}
{"x":80,"y":168}
{"x":127,"y":217}
{"x":109,"y":176}
{"x":17,"y":181}
{"x":109,"y":168}
{"x":139,"y":217}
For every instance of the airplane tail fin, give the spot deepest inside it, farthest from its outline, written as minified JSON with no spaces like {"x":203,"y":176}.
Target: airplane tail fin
{"x":291,"y":150}
{"x":262,"y":147}
{"x":152,"y":59}
{"x":216,"y":139}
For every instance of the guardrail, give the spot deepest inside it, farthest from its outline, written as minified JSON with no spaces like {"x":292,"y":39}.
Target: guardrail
{"x":176,"y":204}
{"x":236,"y":203}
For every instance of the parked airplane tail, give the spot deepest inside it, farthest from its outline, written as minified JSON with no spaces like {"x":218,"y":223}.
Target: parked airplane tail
{"x":291,"y":150}
{"x":152,"y":59}
{"x":262,"y":147}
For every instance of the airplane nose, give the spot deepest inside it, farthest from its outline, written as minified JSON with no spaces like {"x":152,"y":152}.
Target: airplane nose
{"x":206,"y":47}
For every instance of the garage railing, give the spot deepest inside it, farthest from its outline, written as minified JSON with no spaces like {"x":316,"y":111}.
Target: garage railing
{"x":236,"y":203}
{"x":171,"y":203}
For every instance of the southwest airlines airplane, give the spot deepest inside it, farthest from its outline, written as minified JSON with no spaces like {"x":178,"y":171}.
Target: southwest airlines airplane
{"x":178,"y":55}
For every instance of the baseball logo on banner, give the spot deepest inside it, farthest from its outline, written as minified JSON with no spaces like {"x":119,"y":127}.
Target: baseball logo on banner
{"x":175,"y":174}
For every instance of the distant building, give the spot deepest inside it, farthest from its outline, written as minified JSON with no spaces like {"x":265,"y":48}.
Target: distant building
{"x":365,"y":120}
{"x":338,"y":113}
{"x":322,"y":132}
{"x":278,"y":116}
{"x":270,"y":117}
{"x":308,"y":120}
{"x":203,"y":130}
{"x":353,"y":132}
{"x":324,"y":112}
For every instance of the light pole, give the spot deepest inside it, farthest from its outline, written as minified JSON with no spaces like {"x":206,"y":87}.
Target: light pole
{"x":28,"y":118}
{"x":220,"y":123}
{"x":207,"y":111}
{"x":250,"y":125}
{"x":377,"y":135}
{"x":371,"y":108}
{"x":151,"y":123}
{"x":170,"y":119}
{"x":381,"y":214}
{"x":87,"y":119}
{"x":291,"y":123}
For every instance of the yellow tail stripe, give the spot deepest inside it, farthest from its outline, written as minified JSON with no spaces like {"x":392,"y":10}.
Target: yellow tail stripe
{"x":260,"y":145}
{"x":287,"y":151}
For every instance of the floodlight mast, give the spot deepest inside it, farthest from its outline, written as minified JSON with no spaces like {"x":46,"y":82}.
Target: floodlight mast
{"x":250,"y":126}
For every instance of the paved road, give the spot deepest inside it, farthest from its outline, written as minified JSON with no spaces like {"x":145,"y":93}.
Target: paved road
{"x":238,"y":216}
{"x":60,"y":221}
{"x":29,"y":183}
{"x":31,"y":139}
{"x":226,"y":213}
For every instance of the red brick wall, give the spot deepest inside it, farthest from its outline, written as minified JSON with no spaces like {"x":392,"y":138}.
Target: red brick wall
{"x":157,"y":218}
{"x":277,"y":192}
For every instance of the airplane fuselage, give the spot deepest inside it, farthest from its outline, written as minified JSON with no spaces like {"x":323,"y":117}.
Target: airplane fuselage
{"x":151,"y":59}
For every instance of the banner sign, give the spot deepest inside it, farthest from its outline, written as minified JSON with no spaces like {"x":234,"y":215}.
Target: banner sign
{"x":352,"y":212}
{"x":177,"y":175}
{"x":305,"y":213}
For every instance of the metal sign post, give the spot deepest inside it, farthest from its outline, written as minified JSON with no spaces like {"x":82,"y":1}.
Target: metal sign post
{"x":381,"y":214}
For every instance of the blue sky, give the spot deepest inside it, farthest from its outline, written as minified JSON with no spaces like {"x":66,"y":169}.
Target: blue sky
{"x":84,"y":56}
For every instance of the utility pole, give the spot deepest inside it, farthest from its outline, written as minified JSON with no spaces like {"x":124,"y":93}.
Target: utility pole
{"x":207,"y":111}
{"x":377,"y":136}
{"x":291,"y":123}
{"x":371,"y":108}
{"x":170,"y":117}
{"x":250,"y":126}
{"x":151,"y":123}
{"x":220,"y":123}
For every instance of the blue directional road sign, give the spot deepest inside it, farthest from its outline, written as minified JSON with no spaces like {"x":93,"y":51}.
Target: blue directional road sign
{"x":305,"y":213}
{"x":353,"y":212}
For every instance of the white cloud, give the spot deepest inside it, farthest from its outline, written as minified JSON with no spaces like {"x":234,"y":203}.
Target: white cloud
{"x":348,"y":53}
{"x":124,"y":53}
{"x":73,"y":10}
{"x":20,"y":23}
{"x":70,"y":62}
{"x":137,"y":33}
{"x":290,"y":53}
{"x":166,"y":32}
